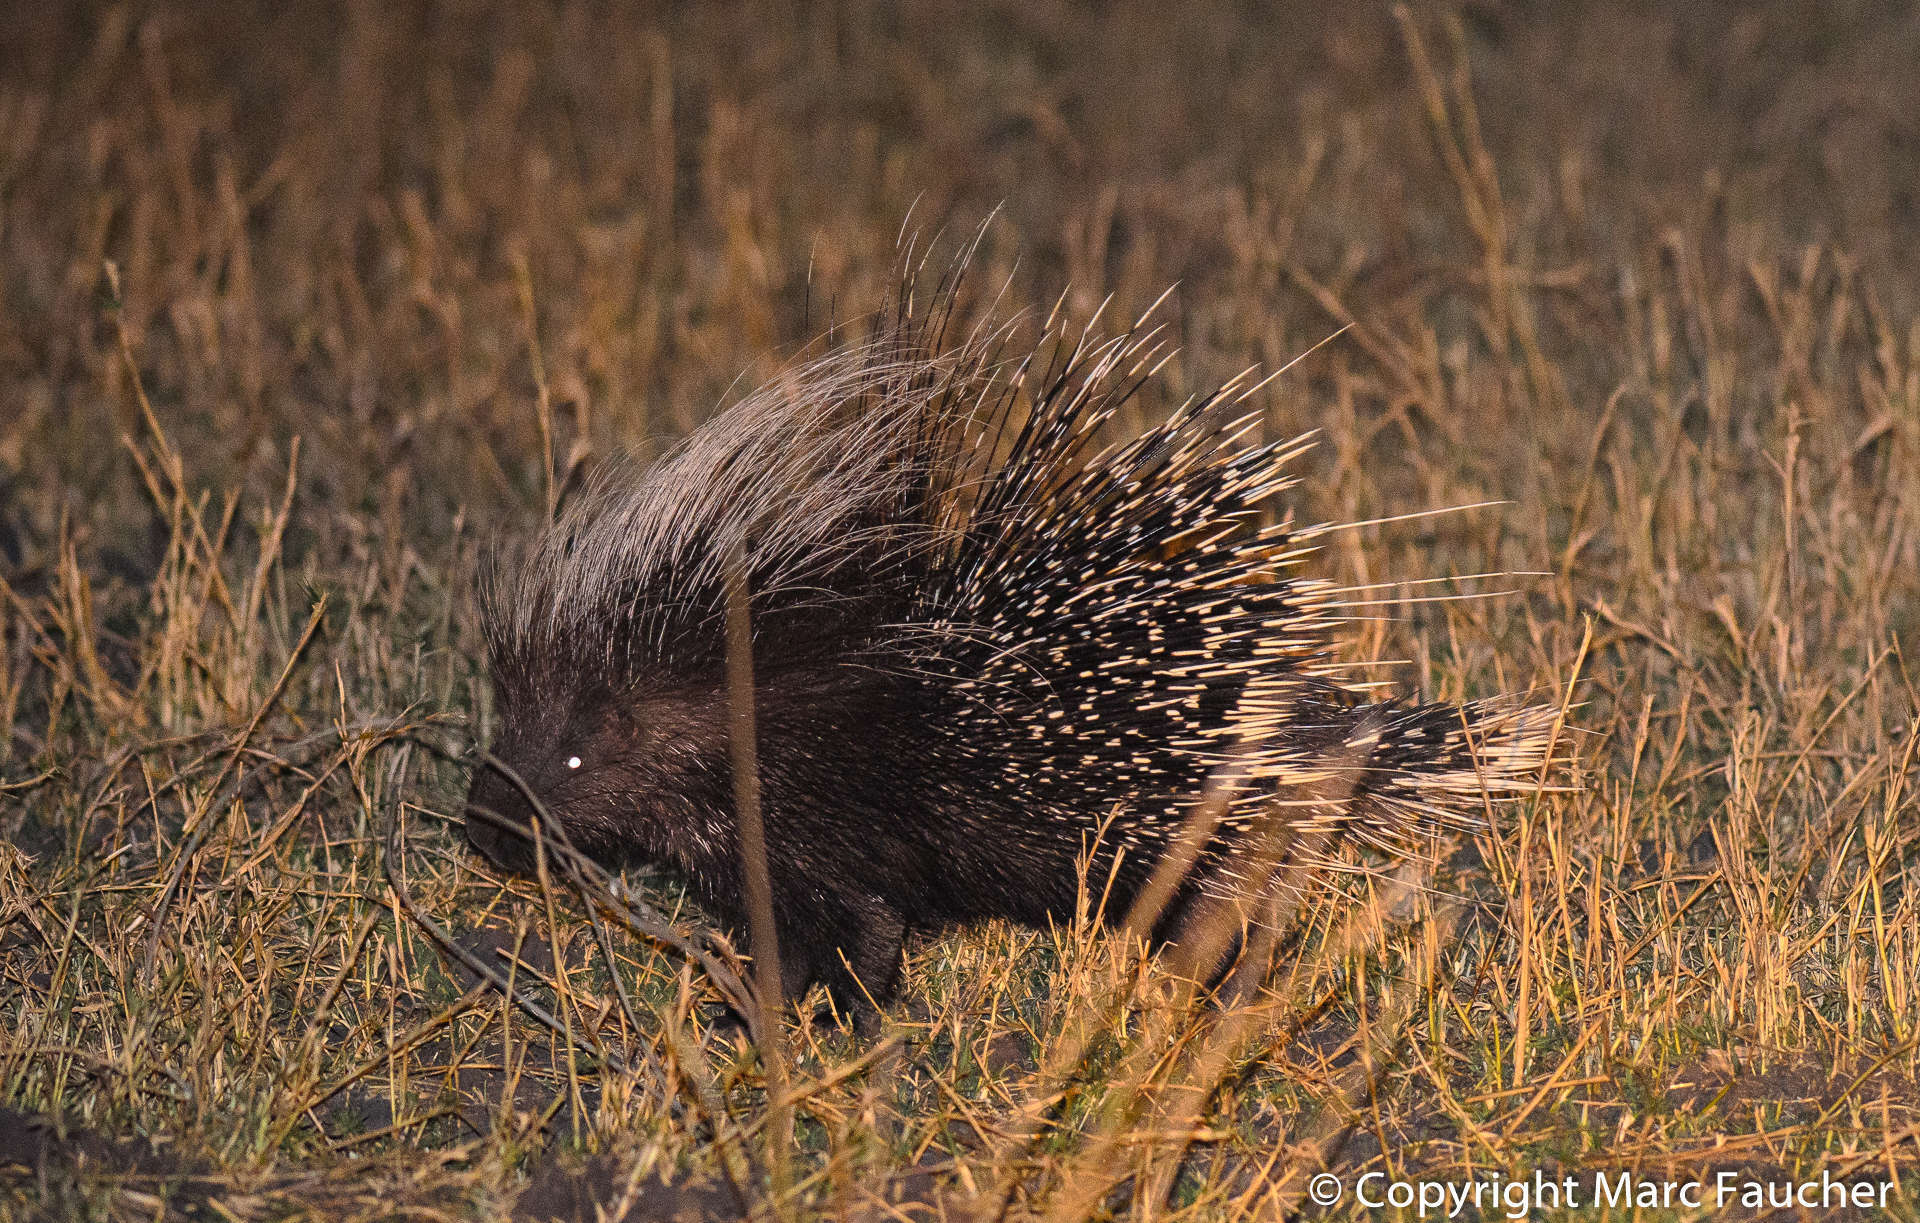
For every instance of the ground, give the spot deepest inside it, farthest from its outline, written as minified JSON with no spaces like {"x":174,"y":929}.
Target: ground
{"x":303,"y":305}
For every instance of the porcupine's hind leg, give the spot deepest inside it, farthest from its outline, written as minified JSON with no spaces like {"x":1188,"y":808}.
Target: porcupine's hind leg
{"x":1201,"y":935}
{"x":1221,"y":918}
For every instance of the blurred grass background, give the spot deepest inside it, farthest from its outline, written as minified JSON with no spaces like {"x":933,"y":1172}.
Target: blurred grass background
{"x":302,"y":304}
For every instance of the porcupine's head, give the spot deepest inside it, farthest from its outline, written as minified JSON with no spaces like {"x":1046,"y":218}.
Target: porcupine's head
{"x":606,"y":635}
{"x":605,"y":755}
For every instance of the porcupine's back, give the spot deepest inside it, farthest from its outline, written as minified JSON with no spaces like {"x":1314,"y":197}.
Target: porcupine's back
{"x":978,"y":637}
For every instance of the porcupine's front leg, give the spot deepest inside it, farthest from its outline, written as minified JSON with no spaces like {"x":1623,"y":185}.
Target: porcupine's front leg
{"x":871,"y":969}
{"x":851,"y":944}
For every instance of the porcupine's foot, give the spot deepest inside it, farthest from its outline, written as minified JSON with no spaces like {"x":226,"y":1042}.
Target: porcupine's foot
{"x":855,"y":951}
{"x":858,"y":961}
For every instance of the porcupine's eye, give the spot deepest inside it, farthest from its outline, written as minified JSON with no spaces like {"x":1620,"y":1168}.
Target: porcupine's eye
{"x":573,"y":762}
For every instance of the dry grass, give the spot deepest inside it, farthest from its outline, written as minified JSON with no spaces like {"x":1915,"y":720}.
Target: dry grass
{"x":298,"y":307}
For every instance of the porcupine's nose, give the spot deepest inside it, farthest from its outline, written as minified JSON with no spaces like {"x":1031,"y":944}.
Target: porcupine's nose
{"x":499,"y":821}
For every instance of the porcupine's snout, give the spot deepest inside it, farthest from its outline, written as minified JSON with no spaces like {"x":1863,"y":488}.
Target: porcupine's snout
{"x":500,"y":820}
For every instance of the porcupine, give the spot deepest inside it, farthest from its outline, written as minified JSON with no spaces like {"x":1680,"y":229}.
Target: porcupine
{"x":991,"y":657}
